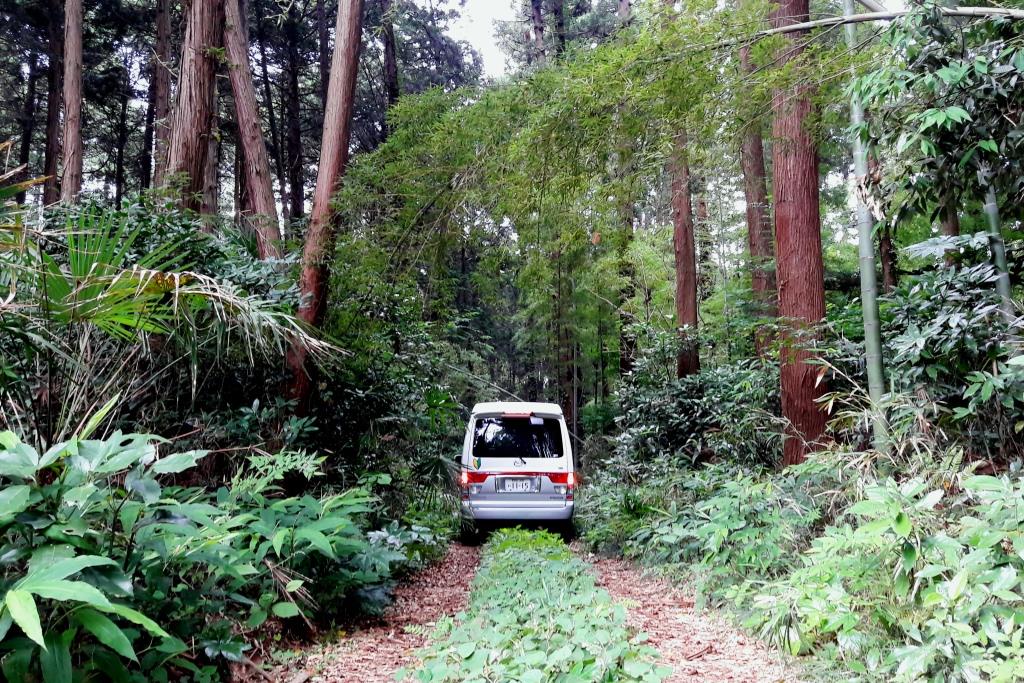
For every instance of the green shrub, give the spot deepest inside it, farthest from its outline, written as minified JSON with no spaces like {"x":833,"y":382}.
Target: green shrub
{"x":917,"y":586}
{"x":535,"y":615}
{"x":107,"y":566}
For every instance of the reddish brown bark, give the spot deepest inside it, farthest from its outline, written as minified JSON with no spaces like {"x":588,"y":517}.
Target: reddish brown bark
{"x":161,"y":90}
{"x":254,"y":160}
{"x":319,"y":246}
{"x":54,"y":92}
{"x":759,"y":221}
{"x":683,"y":242}
{"x":798,"y":247}
{"x":71,"y":168}
{"x":193,"y":115}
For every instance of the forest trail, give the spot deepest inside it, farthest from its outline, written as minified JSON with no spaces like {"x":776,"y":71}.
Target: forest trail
{"x":373,"y":654}
{"x":697,"y":645}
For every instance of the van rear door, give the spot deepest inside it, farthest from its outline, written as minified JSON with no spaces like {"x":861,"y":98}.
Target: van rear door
{"x":519,"y":459}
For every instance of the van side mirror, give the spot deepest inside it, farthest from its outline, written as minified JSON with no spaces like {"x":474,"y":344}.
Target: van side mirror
{"x":458,"y":458}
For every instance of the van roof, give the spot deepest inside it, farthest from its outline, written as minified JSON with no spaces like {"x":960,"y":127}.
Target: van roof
{"x":517,"y":407}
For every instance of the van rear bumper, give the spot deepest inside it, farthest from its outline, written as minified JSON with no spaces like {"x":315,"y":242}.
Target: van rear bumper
{"x":526,"y":512}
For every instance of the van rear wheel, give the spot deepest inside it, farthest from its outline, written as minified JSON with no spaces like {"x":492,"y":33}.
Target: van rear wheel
{"x":469,"y":532}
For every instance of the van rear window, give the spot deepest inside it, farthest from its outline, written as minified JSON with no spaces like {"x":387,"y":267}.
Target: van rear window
{"x":517,"y":437}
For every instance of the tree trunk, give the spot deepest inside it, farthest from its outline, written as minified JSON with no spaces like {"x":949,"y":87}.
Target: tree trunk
{"x":28,"y":119}
{"x":537,"y":17}
{"x":193,"y":116}
{"x":624,"y":11}
{"x":323,"y":45}
{"x":161,"y":90}
{"x":759,"y":221}
{"x":293,"y":112}
{"x":255,"y":163}
{"x":951,"y":228}
{"x":54,"y":92}
{"x":71,"y":170}
{"x":887,"y":255}
{"x":558,"y":8}
{"x":798,"y":247}
{"x":688,"y":362}
{"x":122,"y":142}
{"x":268,"y":98}
{"x":391,"y":83}
{"x":146,"y":154}
{"x":319,"y":246}
{"x":210,"y":205}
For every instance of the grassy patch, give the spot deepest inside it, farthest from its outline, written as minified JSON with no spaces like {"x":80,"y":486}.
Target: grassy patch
{"x":535,"y":615}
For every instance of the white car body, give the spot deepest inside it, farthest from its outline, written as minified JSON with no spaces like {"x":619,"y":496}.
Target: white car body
{"x":517,"y":463}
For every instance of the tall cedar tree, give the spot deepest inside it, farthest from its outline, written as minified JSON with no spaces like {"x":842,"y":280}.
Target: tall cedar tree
{"x":71,"y":169}
{"x":192,"y":119}
{"x":801,"y":280}
{"x":54,"y":93}
{"x":683,"y":246}
{"x":759,"y":220}
{"x":254,"y":160}
{"x":683,"y":242}
{"x":161,"y":75}
{"x":319,"y":246}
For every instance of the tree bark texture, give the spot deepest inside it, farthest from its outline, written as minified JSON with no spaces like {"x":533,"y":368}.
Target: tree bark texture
{"x":760,"y":241}
{"x":558,"y":9}
{"x":161,"y":90}
{"x":293,"y":113}
{"x":146,"y":153}
{"x":122,"y":142}
{"x":28,"y":119}
{"x":193,"y":116}
{"x":391,"y":82}
{"x":887,"y":256}
{"x":801,"y":282}
{"x":254,"y":160}
{"x":683,"y":242}
{"x":54,"y":94}
{"x":537,"y":17}
{"x":319,"y":246}
{"x":71,"y":168}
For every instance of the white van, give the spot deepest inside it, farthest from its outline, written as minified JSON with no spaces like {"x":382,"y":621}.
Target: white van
{"x":516,"y":464}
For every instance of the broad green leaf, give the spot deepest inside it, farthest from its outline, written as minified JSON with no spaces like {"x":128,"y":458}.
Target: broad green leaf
{"x":901,"y":524}
{"x":75,"y":591}
{"x":63,"y":568}
{"x":106,"y":631}
{"x":285,"y":610}
{"x":179,"y":462}
{"x":317,"y":540}
{"x":55,"y":660}
{"x":23,"y":610}
{"x":13,"y":499}
{"x":137,"y":618}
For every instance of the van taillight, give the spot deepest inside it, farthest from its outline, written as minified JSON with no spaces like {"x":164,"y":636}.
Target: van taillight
{"x":467,"y":477}
{"x":567,"y":478}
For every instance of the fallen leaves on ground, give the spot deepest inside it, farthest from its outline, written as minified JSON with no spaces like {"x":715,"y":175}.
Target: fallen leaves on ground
{"x":698,"y":645}
{"x":375,"y":652}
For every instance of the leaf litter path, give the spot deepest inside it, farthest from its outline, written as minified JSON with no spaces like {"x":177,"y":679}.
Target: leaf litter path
{"x":698,"y":645}
{"x":373,"y":654}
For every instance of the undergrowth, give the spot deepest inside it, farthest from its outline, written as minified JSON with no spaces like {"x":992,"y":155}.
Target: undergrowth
{"x":535,"y":615}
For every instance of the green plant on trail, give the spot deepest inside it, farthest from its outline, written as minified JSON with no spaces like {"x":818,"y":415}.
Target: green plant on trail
{"x":534,"y":616}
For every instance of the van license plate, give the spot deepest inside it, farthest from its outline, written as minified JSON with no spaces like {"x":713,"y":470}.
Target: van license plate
{"x":518,"y":485}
